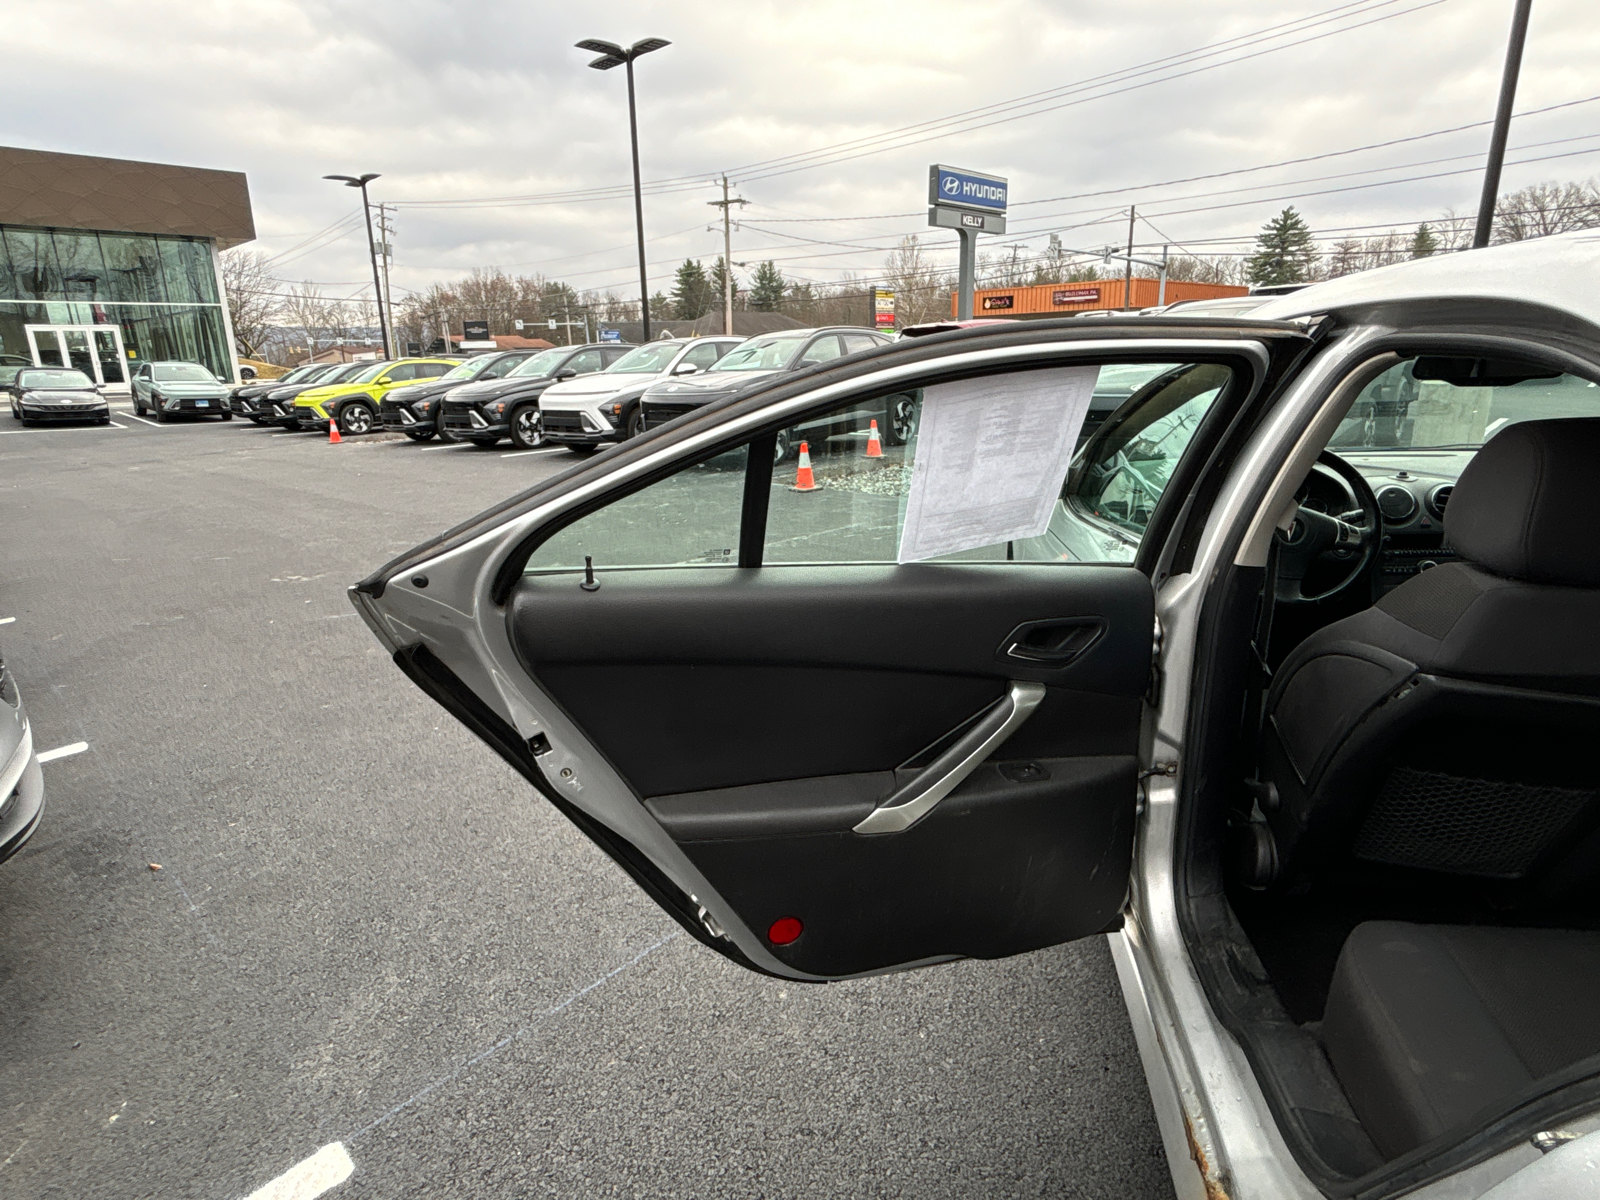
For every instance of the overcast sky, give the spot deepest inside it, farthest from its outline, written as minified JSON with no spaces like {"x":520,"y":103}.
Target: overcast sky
{"x":489,"y":100}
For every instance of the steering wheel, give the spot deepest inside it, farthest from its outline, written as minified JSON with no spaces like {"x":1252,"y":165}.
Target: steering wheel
{"x":1347,"y":538}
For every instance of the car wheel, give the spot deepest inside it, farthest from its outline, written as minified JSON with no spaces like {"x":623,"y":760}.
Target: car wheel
{"x":292,"y":425}
{"x":783,"y":445}
{"x":227,"y":415}
{"x":527,"y":428}
{"x":356,"y":419}
{"x":138,"y":405}
{"x":902,"y":413}
{"x":444,"y":434}
{"x":160,"y":416}
{"x":635,"y":423}
{"x":419,"y":435}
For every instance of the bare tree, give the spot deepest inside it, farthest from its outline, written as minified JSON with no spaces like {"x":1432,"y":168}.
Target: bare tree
{"x":250,"y":288}
{"x":1546,"y":208}
{"x":1198,"y":268}
{"x":922,"y":289}
{"x":305,"y":308}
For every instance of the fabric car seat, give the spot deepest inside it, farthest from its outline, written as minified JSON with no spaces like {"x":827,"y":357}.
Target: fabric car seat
{"x":1448,"y":727}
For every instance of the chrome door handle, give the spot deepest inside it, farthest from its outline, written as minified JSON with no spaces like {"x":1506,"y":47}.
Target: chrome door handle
{"x":909,"y":804}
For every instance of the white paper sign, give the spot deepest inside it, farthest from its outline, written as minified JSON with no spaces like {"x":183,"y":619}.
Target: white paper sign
{"x":991,"y":456}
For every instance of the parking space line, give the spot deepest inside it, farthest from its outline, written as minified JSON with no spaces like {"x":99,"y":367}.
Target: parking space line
{"x":541,"y":450}
{"x":311,"y":1177}
{"x":146,"y":420}
{"x":527,"y":1029}
{"x":6,"y":620}
{"x":63,"y":752}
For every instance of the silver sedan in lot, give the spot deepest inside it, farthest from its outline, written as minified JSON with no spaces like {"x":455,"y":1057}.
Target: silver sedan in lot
{"x":1279,"y":682}
{"x":21,"y":781}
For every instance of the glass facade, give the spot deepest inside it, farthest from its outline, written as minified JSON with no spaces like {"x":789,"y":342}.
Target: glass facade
{"x":160,"y":291}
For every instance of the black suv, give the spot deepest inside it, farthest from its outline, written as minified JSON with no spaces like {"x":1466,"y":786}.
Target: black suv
{"x":414,"y":410}
{"x":250,"y":401}
{"x":483,"y":413}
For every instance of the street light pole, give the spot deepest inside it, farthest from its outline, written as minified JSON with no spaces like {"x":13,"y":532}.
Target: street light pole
{"x":613,"y":55}
{"x":361,"y":182}
{"x":1502,"y":124}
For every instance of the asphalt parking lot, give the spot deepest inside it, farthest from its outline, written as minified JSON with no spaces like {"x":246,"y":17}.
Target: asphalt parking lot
{"x":366,"y":929}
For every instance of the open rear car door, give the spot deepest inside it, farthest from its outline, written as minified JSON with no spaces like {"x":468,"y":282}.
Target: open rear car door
{"x":822,"y":763}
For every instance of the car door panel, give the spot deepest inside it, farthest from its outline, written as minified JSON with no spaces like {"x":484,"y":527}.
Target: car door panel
{"x":761,"y":715}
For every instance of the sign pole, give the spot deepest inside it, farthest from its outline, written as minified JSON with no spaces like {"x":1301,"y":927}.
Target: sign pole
{"x":967,"y":274}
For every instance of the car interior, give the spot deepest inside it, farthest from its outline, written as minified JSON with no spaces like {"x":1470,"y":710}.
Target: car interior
{"x":1393,"y":905}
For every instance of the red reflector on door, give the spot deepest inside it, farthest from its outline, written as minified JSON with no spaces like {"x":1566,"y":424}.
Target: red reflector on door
{"x":784,"y":930}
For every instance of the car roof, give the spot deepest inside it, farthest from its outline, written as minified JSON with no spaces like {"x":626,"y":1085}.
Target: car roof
{"x":1552,"y":272}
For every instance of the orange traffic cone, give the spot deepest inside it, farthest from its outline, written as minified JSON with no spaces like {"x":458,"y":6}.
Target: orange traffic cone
{"x":803,"y":479}
{"x":333,"y":431}
{"x":874,"y":447}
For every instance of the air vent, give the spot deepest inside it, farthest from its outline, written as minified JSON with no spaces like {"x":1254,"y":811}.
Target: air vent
{"x":1439,"y":497}
{"x":1397,"y":504}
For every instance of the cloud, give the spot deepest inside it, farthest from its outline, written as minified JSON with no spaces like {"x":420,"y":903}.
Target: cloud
{"x":489,"y":100}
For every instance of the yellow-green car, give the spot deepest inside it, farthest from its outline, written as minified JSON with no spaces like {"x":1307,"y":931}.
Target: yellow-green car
{"x":355,"y":404}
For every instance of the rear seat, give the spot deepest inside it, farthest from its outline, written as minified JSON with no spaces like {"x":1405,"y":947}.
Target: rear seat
{"x":1427,"y":1025}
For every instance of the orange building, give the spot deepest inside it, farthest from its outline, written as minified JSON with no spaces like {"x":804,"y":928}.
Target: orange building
{"x":1064,"y":299}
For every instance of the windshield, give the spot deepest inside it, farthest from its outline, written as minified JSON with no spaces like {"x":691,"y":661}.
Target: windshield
{"x":760,"y":354}
{"x":646,"y":360}
{"x":54,"y":379}
{"x":183,"y":373}
{"x":1397,"y":411}
{"x":540,"y":364}
{"x":8,"y":371}
{"x":298,"y":375}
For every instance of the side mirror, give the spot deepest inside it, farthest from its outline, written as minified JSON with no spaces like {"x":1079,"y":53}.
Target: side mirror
{"x":565,"y":373}
{"x":685,"y":369}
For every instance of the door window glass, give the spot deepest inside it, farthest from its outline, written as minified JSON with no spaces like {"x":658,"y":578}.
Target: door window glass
{"x":841,"y":480}
{"x":401,"y":373}
{"x":687,"y":519}
{"x":821,"y":350}
{"x":859,"y":341}
{"x":430,"y":370}
{"x":588,"y":360}
{"x":702,"y":357}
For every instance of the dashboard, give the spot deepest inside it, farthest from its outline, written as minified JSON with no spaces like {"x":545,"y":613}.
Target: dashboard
{"x":1412,"y":487}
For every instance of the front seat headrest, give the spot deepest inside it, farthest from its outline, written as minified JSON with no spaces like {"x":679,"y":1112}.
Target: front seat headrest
{"x":1524,"y":507}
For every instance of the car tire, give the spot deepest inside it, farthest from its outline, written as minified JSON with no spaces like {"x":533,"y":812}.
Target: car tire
{"x":444,"y":434}
{"x":784,"y":445}
{"x":527,"y":428}
{"x":898,"y":419}
{"x":227,"y":415}
{"x":160,"y":417}
{"x":356,"y":418}
{"x":635,"y":425}
{"x":291,"y":425}
{"x":419,"y":435}
{"x":584,"y":448}
{"x":485,"y":443}
{"x":138,"y":405}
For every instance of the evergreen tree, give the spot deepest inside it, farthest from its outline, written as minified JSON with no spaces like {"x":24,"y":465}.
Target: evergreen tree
{"x":766,"y":288}
{"x":691,"y":291}
{"x":715,"y":282}
{"x":661,"y":308}
{"x":1285,"y":251}
{"x":1423,"y":243}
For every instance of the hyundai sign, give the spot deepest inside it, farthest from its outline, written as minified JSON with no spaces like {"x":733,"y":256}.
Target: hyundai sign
{"x":953,"y":188}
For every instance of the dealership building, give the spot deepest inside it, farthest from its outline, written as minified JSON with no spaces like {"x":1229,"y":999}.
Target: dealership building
{"x":106,"y":263}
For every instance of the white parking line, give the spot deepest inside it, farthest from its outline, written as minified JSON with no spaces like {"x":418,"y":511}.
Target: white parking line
{"x":146,"y":420}
{"x":6,"y":620}
{"x":63,"y":752}
{"x":543,"y":450}
{"x":323,"y":1171}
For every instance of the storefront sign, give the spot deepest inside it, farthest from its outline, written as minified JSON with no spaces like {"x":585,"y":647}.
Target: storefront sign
{"x":1075,"y":296}
{"x":991,"y":303}
{"x":883,"y":307}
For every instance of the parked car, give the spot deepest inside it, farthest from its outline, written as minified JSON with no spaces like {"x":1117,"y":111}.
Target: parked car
{"x":54,"y":394}
{"x":169,"y":389}
{"x":414,"y":409}
{"x":250,"y":401}
{"x":278,"y":405}
{"x":753,"y":363}
{"x":21,"y":781}
{"x":588,"y":412}
{"x":483,"y":413}
{"x":355,"y":404}
{"x":1286,"y":702}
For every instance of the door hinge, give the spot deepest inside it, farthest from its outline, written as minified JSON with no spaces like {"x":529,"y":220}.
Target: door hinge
{"x":707,"y":920}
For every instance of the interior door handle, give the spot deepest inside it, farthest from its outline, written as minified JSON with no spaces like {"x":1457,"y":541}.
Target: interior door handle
{"x":909,"y":804}
{"x":1051,"y":643}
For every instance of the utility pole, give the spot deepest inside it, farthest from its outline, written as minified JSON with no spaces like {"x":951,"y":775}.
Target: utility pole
{"x":361,"y":182}
{"x":387,"y":229}
{"x":726,"y":205}
{"x":1502,"y":124}
{"x":1127,"y":278}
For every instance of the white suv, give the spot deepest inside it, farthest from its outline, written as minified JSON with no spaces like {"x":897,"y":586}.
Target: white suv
{"x":604,"y":407}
